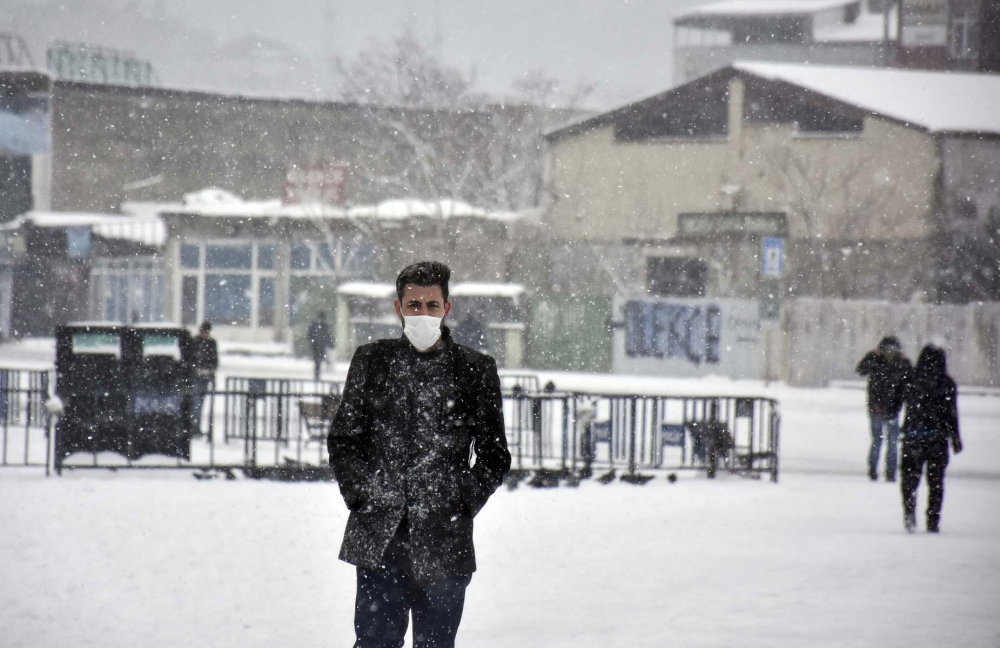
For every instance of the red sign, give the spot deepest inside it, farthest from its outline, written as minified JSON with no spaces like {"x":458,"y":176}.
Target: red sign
{"x":314,"y":184}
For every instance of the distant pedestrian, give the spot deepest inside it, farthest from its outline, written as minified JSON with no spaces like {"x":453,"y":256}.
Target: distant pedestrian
{"x":471,"y":332}
{"x":203,"y":363}
{"x":887,"y":370}
{"x":319,"y":341}
{"x":931,"y":422}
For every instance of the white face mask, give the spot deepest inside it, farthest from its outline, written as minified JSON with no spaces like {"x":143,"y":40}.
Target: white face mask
{"x":423,"y":331}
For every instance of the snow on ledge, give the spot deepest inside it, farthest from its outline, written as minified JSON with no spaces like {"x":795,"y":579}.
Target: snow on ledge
{"x":374,"y":290}
{"x":367,"y":289}
{"x":215,"y":202}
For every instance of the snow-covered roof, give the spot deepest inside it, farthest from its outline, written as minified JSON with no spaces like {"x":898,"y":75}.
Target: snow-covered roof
{"x":761,"y":8}
{"x":409,"y":207}
{"x":939,"y":102}
{"x":922,"y":98}
{"x":148,"y":230}
{"x":221,"y":203}
{"x":477,"y":289}
{"x":866,"y":27}
{"x":375,"y":290}
{"x":367,"y":289}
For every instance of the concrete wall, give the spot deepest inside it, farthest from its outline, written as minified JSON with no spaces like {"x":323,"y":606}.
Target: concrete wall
{"x":971,"y":168}
{"x":105,"y":137}
{"x":816,"y":342}
{"x":824,"y":340}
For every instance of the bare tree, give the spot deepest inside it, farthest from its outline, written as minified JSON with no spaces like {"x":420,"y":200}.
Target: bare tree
{"x":839,"y":197}
{"x":826,"y":189}
{"x":404,"y":73}
{"x":434,"y":136}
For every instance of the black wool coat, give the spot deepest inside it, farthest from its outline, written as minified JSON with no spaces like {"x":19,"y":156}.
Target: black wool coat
{"x":400,"y":448}
{"x":932,"y":407}
{"x":887,"y":378}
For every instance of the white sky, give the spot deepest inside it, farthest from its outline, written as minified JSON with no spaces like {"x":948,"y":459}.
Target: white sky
{"x":625,"y":45}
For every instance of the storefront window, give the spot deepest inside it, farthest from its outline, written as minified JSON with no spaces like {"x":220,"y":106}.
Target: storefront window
{"x":301,"y":257}
{"x":265,"y":256}
{"x":227,"y":299}
{"x":189,"y":301}
{"x":265,"y":302}
{"x":127,"y":290}
{"x":228,"y":257}
{"x":190,"y":256}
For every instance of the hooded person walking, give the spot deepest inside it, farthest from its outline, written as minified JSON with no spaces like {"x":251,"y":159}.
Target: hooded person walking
{"x":414,"y":410}
{"x":930,"y":423}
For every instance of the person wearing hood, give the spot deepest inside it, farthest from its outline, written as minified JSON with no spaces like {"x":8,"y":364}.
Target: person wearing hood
{"x":413,"y":412}
{"x":930,"y":424}
{"x":887,"y":370}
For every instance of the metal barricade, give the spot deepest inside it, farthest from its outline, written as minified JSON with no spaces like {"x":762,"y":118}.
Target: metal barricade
{"x":24,"y":420}
{"x":265,"y":424}
{"x":565,"y":431}
{"x":269,"y":408}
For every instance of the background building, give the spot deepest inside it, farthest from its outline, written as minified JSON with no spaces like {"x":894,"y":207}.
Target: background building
{"x":872,"y":177}
{"x":933,"y":34}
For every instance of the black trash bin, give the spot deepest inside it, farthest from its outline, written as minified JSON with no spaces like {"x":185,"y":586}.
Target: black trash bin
{"x":123,"y":390}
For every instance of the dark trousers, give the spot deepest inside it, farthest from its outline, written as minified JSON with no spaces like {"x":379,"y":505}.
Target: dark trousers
{"x":916,"y":454}
{"x":891,"y":427}
{"x":387,"y":595}
{"x":318,"y":360}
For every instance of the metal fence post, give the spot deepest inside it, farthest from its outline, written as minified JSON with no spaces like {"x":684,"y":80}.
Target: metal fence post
{"x":631,"y":443}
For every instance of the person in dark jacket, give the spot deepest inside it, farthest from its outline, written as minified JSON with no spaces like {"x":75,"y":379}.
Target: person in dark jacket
{"x":887,"y":370}
{"x":203,"y":363}
{"x":319,"y":341}
{"x":930,"y":423}
{"x":414,"y":410}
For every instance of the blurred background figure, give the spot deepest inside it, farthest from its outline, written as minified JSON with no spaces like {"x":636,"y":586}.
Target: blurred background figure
{"x":319,"y":341}
{"x":931,"y":422}
{"x":471,"y":331}
{"x":887,"y":370}
{"x":204,"y":360}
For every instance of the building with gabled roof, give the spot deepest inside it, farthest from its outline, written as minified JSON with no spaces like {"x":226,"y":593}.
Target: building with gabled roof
{"x":882,"y":184}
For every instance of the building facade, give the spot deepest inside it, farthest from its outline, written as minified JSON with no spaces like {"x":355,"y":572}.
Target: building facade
{"x":855,"y":178}
{"x":932,"y":34}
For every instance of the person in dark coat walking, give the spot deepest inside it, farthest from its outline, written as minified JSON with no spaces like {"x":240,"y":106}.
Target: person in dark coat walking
{"x":202,"y":364}
{"x":887,"y":370}
{"x":319,"y":341}
{"x":930,"y":423}
{"x":414,"y":411}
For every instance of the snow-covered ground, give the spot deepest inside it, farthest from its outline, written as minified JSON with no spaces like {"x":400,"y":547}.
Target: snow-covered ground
{"x":819,"y":559}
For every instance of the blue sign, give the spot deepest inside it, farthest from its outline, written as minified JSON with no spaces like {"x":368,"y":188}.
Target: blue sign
{"x":772,"y":258}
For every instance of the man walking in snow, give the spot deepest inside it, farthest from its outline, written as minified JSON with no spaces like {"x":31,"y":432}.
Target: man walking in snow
{"x":887,"y":370}
{"x":414,"y":411}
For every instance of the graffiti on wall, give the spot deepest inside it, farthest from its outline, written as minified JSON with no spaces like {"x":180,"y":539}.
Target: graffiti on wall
{"x":688,"y":332}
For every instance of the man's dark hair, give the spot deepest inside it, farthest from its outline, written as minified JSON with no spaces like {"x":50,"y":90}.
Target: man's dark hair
{"x":424,"y":273}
